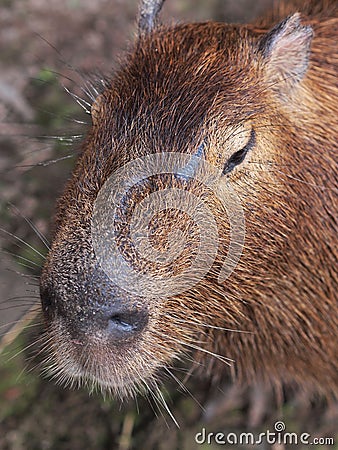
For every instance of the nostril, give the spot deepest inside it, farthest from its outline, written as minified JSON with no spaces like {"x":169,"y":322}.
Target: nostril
{"x":125,"y":324}
{"x":122,"y":322}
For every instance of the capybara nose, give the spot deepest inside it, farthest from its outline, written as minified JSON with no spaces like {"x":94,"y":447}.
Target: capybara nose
{"x":94,"y":308}
{"x":121,"y":323}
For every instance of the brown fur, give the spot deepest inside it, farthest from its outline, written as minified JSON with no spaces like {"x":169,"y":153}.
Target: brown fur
{"x":180,"y":86}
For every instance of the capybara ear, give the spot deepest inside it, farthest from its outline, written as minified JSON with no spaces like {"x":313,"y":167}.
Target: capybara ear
{"x":286,"y":50}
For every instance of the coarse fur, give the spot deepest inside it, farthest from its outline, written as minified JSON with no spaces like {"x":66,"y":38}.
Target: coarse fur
{"x":276,"y":317}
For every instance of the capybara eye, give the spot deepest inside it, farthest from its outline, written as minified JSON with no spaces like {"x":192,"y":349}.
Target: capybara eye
{"x":239,"y":156}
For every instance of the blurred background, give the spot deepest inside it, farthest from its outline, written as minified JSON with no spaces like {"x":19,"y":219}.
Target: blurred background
{"x":47,"y":49}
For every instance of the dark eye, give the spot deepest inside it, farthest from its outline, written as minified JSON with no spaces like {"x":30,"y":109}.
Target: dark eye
{"x":238,"y":157}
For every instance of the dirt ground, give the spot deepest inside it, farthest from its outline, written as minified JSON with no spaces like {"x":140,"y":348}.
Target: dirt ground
{"x":44,"y":48}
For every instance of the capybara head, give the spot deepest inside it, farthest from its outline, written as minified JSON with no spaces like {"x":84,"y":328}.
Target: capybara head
{"x":192,"y":223}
